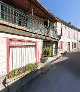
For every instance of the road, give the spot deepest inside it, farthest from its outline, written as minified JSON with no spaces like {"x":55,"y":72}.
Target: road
{"x":64,"y":76}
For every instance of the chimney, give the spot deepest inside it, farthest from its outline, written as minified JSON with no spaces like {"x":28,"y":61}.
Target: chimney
{"x":69,"y":23}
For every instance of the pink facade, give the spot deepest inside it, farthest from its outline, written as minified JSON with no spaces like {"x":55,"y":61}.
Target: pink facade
{"x":69,"y":38}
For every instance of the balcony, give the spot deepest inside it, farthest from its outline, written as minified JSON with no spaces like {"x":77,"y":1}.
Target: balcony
{"x":36,"y":25}
{"x":12,"y":15}
{"x":20,"y":18}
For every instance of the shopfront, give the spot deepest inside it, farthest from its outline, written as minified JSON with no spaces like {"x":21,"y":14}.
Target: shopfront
{"x":20,"y":53}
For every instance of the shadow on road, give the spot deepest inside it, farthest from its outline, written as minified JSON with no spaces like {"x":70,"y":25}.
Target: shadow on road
{"x":74,"y":63}
{"x":64,"y":76}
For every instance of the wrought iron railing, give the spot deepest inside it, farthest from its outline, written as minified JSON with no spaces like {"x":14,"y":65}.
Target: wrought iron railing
{"x":43,"y":30}
{"x":12,"y":15}
{"x":19,"y":17}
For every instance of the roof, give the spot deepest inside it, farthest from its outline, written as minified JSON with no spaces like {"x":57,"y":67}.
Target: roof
{"x":67,"y":24}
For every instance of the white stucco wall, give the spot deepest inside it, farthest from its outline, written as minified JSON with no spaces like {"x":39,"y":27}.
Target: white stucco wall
{"x":79,"y":40}
{"x":3,"y":50}
{"x":67,"y":36}
{"x":3,"y":56}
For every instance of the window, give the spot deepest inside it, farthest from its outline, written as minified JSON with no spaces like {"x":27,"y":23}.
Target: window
{"x":74,"y":45}
{"x":61,"y":31}
{"x":45,"y":23}
{"x":61,"y":45}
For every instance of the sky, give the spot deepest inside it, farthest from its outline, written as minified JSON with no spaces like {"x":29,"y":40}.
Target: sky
{"x":68,"y":10}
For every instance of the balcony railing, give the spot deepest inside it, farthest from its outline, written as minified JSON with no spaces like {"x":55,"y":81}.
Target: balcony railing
{"x":20,"y":18}
{"x":12,"y":15}
{"x":39,"y":27}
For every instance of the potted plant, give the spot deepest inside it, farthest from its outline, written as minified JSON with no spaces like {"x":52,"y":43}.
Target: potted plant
{"x":46,"y":54}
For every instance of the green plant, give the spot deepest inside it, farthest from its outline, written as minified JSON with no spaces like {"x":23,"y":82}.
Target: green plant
{"x":16,"y":72}
{"x":22,"y":70}
{"x":31,"y":67}
{"x":34,"y":67}
{"x":13,"y":73}
{"x":27,"y":68}
{"x":46,"y":51}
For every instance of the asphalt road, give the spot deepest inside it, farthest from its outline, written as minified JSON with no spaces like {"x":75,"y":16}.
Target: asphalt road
{"x":64,"y":76}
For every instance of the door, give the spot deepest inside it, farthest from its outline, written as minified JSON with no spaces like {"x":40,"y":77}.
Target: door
{"x":21,"y":56}
{"x":68,"y":46}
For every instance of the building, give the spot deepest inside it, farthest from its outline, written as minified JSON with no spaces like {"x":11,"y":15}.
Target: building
{"x":25,"y":28}
{"x":69,"y":36}
{"x":78,"y":40}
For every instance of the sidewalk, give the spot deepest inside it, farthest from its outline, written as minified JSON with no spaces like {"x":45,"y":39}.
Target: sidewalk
{"x":41,"y":65}
{"x":47,"y":65}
